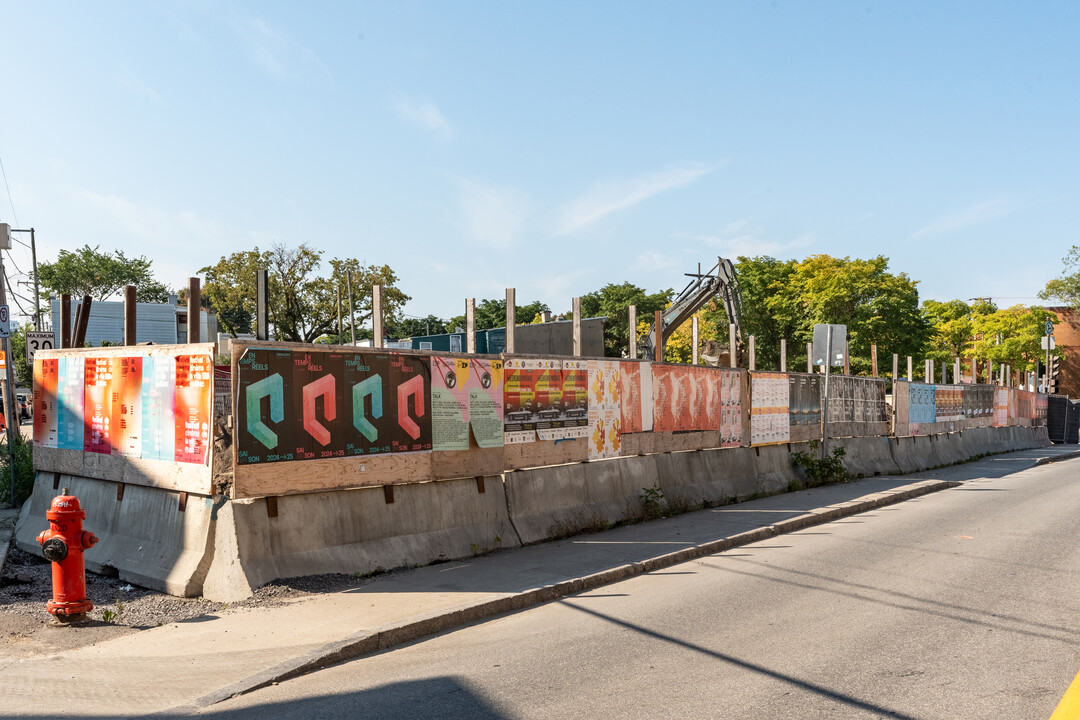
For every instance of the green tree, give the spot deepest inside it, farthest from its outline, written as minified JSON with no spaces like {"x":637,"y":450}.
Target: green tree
{"x":492,"y":314}
{"x":613,"y":302}
{"x":1066,"y":287}
{"x":787,"y":299}
{"x":87,"y":271}
{"x":302,"y":304}
{"x":24,"y":372}
{"x":1012,"y":336}
{"x":418,"y":327}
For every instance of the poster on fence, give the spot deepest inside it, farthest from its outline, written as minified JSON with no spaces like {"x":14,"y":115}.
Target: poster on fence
{"x":769,"y":408}
{"x":46,"y":402}
{"x":605,"y":409}
{"x":636,"y":396}
{"x":731,"y":409}
{"x":922,"y":403}
{"x":949,"y":403}
{"x":466,"y":394}
{"x":296,"y":405}
{"x":686,"y":398}
{"x":566,"y":410}
{"x":519,"y":400}
{"x":1001,"y":407}
{"x":805,"y":400}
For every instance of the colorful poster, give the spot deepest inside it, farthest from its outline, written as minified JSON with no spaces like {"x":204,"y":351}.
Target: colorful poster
{"x":466,"y":393}
{"x":671,"y":390}
{"x":1001,"y":407}
{"x":127,"y":407}
{"x":158,"y":397}
{"x":605,"y":409}
{"x":769,"y":408}
{"x":519,"y":400}
{"x":635,"y":395}
{"x":70,"y":394}
{"x":97,"y":413}
{"x":562,"y":398}
{"x":337,"y":405}
{"x":731,"y":408}
{"x":46,"y":383}
{"x":949,"y":403}
{"x":194,"y":383}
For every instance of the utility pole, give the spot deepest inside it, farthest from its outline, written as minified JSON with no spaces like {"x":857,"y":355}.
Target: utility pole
{"x":9,"y":389}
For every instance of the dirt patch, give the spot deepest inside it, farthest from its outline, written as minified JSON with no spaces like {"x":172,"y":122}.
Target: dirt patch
{"x":120,"y":608}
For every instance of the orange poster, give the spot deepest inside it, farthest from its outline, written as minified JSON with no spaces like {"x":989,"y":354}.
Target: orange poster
{"x":97,"y":410}
{"x":194,"y":379}
{"x":46,"y":376}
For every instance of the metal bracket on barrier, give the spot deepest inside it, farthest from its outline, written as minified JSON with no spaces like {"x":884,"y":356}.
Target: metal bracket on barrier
{"x":480,"y":484}
{"x":119,"y":492}
{"x":56,"y":481}
{"x":388,"y":493}
{"x":183,"y":501}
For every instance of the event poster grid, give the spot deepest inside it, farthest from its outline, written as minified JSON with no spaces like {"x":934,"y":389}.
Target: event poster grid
{"x":769,"y":409}
{"x":466,"y":394}
{"x":153,"y":407}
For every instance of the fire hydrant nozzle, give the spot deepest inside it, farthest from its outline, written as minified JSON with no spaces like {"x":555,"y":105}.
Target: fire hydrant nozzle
{"x":63,"y":545}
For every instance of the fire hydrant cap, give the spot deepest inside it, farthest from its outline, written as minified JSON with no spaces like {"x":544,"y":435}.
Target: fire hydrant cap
{"x":65,"y":506}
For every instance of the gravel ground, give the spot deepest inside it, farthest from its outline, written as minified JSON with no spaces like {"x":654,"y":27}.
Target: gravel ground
{"x":120,"y":608}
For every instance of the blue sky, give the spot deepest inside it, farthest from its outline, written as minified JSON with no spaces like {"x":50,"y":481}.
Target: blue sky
{"x":552,"y":147}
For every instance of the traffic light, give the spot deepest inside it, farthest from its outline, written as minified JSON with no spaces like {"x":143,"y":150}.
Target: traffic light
{"x":1054,"y":369}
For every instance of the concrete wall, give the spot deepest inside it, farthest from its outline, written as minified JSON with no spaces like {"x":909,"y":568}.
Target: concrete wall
{"x":225,"y":550}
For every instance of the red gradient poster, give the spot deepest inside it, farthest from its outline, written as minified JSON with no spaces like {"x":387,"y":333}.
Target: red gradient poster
{"x":46,"y":381}
{"x":194,"y":379}
{"x":97,"y":410}
{"x":127,"y":407}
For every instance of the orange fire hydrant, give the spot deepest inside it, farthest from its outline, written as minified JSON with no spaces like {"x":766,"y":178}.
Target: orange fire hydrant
{"x":63,"y":544}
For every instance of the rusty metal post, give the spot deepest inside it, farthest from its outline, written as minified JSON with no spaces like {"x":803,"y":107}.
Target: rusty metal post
{"x":194,"y":311}
{"x":873,"y":360}
{"x":130,"y":315}
{"x":658,"y":330}
{"x":82,"y":321}
{"x":65,"y":320}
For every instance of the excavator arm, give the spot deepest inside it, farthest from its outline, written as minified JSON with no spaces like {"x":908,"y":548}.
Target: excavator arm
{"x":719,"y":282}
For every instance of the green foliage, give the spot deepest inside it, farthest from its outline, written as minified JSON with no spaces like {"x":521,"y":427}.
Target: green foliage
{"x":302,"y":304}
{"x":613,"y":302}
{"x":952,"y":326}
{"x":492,"y":314}
{"x":821,"y":471}
{"x":417,"y":327}
{"x":1066,"y":287}
{"x":786,"y":300}
{"x":87,"y":271}
{"x":24,"y":470}
{"x":653,"y":503}
{"x":23,"y":370}
{"x":1012,"y":335}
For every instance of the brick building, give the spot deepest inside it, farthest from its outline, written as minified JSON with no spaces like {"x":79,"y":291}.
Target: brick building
{"x":1067,"y":340}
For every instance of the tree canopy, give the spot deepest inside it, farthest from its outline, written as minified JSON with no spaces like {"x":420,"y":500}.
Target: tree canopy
{"x":1012,"y":335}
{"x":614,"y":301}
{"x":785,"y":299}
{"x":88,"y":271}
{"x":1066,"y":287}
{"x":303,"y":305}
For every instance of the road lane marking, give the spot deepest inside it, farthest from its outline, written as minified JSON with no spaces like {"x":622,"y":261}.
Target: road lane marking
{"x":1069,"y":707}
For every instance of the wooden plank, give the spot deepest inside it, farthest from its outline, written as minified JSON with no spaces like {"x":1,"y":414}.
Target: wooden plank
{"x":130,"y":351}
{"x":182,"y":477}
{"x":294,"y":478}
{"x":546,"y":452}
{"x":447,"y":465}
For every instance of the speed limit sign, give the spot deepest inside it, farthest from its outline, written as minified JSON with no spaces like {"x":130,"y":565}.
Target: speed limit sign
{"x":38,"y":341}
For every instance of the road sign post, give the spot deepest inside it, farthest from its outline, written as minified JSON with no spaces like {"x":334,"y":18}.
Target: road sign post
{"x":38,"y":341}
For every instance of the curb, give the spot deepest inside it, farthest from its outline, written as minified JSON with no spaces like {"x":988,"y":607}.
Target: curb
{"x":368,"y":642}
{"x":1064,"y":456}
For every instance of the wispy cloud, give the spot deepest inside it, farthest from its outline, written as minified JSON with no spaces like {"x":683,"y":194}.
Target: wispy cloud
{"x":425,"y":115}
{"x":491,"y":216}
{"x":983,"y":212}
{"x":742,"y":238}
{"x":655,"y":261}
{"x":615,"y":194}
{"x":273,"y":51}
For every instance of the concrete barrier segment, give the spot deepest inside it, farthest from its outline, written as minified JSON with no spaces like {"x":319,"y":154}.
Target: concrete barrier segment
{"x":144,"y":537}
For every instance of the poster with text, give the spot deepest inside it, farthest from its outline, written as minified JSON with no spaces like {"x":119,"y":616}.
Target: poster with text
{"x":1001,"y":407}
{"x":46,"y":401}
{"x":71,"y":393}
{"x":565,"y":412}
{"x":194,"y":383}
{"x":731,"y":408}
{"x":97,"y":411}
{"x":520,"y":411}
{"x":127,"y":407}
{"x":158,"y":397}
{"x":466,"y":393}
{"x":605,"y":408}
{"x":769,"y":408}
{"x":805,"y":400}
{"x":922,"y":403}
{"x":635,"y":395}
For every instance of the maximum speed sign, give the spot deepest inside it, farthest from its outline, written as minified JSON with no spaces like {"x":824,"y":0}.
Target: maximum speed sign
{"x":38,"y":341}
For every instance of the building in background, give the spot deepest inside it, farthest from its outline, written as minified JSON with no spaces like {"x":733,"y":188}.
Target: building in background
{"x":159,"y":323}
{"x":1067,"y":342}
{"x":544,"y":338}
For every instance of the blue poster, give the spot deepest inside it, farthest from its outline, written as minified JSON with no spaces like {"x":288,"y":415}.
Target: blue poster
{"x":922,"y":403}
{"x":158,"y":395}
{"x":69,"y":408}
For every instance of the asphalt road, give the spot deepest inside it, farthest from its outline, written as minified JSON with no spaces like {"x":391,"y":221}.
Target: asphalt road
{"x":960,"y":604}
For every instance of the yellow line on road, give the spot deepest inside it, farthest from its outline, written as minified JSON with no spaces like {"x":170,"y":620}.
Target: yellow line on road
{"x":1069,"y":707}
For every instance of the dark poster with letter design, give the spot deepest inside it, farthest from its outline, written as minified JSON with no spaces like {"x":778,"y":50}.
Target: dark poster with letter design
{"x":319,"y":405}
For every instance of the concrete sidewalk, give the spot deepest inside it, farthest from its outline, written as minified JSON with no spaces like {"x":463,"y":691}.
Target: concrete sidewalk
{"x":183,"y":667}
